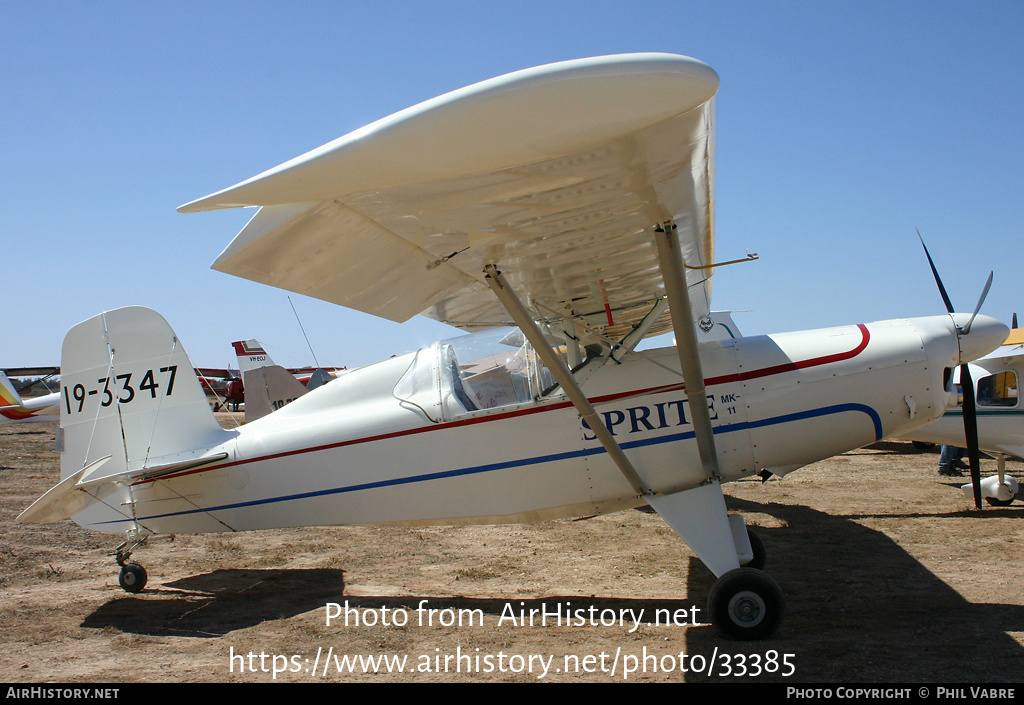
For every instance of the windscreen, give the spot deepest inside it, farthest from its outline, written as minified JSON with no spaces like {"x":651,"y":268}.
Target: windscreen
{"x":489,"y":370}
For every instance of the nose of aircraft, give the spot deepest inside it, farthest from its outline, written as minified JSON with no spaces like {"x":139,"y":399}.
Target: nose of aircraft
{"x":985,"y":335}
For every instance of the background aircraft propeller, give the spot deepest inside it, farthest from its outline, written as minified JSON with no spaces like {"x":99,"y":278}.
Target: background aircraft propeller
{"x":967,"y":384}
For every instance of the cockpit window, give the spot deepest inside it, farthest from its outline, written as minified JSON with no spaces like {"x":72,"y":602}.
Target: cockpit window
{"x":500,"y":368}
{"x":999,"y":389}
{"x":474,"y":372}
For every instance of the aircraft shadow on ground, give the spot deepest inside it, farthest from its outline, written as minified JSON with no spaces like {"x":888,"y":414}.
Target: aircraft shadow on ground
{"x":904,"y":448}
{"x":220,"y":602}
{"x":860,"y":608}
{"x":897,"y":448}
{"x":223,"y":601}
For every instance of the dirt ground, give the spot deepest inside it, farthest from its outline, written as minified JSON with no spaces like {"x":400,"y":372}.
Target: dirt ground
{"x":890,"y":576}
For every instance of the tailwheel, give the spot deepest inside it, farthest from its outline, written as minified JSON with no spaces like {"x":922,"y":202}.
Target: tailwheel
{"x":133,"y":577}
{"x":746,"y":604}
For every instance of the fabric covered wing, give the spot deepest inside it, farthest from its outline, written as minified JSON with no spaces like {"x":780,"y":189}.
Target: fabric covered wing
{"x":557,"y":175}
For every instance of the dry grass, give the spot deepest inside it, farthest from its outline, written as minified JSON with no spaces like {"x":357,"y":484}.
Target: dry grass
{"x":889,"y":574}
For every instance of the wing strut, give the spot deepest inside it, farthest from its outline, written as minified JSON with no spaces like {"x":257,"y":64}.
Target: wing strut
{"x":630,"y":341}
{"x":562,"y":375}
{"x":673,"y":273}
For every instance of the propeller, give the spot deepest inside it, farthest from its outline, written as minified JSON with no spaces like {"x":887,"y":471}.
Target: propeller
{"x":969,"y":407}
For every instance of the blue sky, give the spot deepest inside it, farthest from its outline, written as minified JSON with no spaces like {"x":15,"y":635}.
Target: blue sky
{"x":841,"y":127}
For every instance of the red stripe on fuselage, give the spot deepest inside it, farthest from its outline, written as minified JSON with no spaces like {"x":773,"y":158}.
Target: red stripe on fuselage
{"x":724,"y":379}
{"x":753,"y":374}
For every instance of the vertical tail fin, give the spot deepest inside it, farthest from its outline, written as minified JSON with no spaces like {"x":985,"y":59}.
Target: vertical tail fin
{"x":268,"y":387}
{"x":132,"y":409}
{"x":8,"y":394}
{"x":130,"y":391}
{"x":250,"y":355}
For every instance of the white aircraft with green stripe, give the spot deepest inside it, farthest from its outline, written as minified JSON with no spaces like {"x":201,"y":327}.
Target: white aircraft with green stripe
{"x":1000,"y":414}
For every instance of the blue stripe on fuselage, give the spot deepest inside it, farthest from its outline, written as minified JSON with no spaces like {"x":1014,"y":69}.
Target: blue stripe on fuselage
{"x":554,"y":457}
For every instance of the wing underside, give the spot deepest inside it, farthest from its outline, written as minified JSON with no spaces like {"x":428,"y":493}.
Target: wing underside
{"x":556,"y":175}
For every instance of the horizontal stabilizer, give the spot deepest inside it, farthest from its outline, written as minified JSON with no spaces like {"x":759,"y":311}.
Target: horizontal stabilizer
{"x":64,"y":500}
{"x":72,"y":495}
{"x":151,"y":472}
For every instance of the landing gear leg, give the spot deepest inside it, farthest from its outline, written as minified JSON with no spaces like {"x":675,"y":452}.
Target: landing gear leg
{"x":996,"y":501}
{"x":745,"y":603}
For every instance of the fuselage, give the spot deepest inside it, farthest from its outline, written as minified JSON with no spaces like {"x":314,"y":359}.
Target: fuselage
{"x":370,"y":448}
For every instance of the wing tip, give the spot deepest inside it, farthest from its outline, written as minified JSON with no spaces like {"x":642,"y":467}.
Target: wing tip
{"x":209,"y":203}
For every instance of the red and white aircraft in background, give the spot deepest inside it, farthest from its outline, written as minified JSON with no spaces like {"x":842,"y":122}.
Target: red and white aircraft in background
{"x":268,"y":386}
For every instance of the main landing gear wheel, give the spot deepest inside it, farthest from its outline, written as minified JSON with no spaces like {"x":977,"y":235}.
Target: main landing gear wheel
{"x":133,"y":577}
{"x":746,"y":604}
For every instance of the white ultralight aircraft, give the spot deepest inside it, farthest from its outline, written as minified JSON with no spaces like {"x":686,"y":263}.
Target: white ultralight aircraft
{"x":996,"y":381}
{"x":563,"y":213}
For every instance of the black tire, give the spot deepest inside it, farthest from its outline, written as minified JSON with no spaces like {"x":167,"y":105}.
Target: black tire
{"x":760,"y":553}
{"x":746,"y":604}
{"x":132,"y":578}
{"x":999,"y":502}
